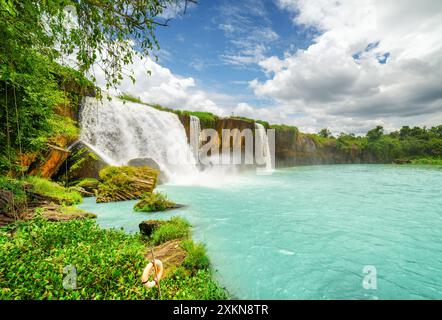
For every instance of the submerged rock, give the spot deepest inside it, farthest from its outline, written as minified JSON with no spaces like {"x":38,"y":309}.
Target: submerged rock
{"x":125,"y":183}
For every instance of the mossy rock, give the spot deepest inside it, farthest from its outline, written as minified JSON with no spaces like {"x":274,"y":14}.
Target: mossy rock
{"x":90,"y":185}
{"x":125,"y":183}
{"x":155,"y":202}
{"x":148,"y":162}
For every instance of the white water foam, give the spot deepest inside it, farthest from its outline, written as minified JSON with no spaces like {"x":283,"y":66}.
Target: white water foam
{"x":120,"y":131}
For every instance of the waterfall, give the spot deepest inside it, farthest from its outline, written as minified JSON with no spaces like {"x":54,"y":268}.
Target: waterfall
{"x":194,"y":139}
{"x":262,"y":144}
{"x":120,"y":131}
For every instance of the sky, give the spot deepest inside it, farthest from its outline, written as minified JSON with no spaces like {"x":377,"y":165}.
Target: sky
{"x":340,"y":64}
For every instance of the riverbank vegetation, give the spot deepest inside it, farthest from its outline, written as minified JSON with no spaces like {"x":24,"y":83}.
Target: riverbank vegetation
{"x":53,"y":190}
{"x":407,"y":144}
{"x":108,"y":263}
{"x":176,"y":228}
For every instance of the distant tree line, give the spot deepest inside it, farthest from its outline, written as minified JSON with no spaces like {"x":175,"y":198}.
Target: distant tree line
{"x":406,"y":143}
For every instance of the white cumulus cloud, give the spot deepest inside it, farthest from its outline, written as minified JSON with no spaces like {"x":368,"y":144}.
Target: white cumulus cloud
{"x":163,"y":87}
{"x":373,"y":62}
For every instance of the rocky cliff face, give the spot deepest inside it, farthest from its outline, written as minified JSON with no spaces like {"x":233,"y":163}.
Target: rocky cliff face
{"x":53,"y":160}
{"x":294,"y":148}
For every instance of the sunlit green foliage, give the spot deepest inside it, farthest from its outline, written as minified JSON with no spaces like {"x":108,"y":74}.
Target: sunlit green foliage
{"x":132,"y":182}
{"x":54,"y":190}
{"x":196,"y":258}
{"x":427,"y":161}
{"x":405,"y":145}
{"x":284,"y":127}
{"x":109,"y":264}
{"x":15,"y":186}
{"x":174,"y":229}
{"x":325,"y":133}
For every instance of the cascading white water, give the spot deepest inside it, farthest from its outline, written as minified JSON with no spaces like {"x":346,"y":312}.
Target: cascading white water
{"x":262,"y":143}
{"x":195,"y":130}
{"x":121,"y":131}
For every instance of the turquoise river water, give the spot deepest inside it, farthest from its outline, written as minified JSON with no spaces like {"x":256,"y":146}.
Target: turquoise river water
{"x":308,"y":232}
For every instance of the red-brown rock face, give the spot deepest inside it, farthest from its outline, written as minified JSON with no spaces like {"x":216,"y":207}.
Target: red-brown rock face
{"x":54,"y":158}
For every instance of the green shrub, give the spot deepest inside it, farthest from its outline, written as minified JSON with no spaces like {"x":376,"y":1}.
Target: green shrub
{"x":130,"y":98}
{"x":196,"y":258}
{"x":109,"y":263}
{"x":54,"y":190}
{"x":127,"y":171}
{"x":207,"y":119}
{"x":427,"y":161}
{"x":153,"y":202}
{"x":264,"y":123}
{"x":87,"y":183}
{"x":283,"y":127}
{"x":63,"y":126}
{"x":174,"y":229}
{"x":201,"y":285}
{"x":15,"y":186}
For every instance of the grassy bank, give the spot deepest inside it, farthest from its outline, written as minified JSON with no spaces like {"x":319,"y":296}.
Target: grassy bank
{"x":109,"y":263}
{"x":427,"y":161}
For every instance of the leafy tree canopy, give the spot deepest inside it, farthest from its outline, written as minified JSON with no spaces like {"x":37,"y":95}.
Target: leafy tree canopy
{"x":375,"y":133}
{"x":325,"y":133}
{"x":93,"y":32}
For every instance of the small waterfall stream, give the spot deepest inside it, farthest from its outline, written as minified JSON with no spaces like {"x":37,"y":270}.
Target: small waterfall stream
{"x":120,"y":131}
{"x":262,"y":144}
{"x":195,"y":130}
